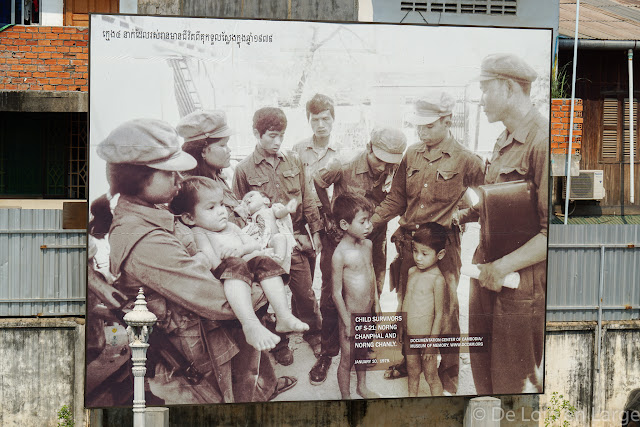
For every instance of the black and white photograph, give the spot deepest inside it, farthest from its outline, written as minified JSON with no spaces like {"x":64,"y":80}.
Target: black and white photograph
{"x":315,"y":210}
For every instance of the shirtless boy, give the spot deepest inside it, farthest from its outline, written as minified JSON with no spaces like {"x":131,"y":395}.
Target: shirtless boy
{"x":236,"y":260}
{"x":423,"y":304}
{"x":354,"y":284}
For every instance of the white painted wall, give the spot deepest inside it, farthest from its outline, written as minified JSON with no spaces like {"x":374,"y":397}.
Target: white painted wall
{"x":128,"y":6}
{"x":52,"y":13}
{"x":530,"y":14}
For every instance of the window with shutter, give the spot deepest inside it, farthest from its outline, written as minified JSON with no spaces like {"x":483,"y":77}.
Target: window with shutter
{"x":609,"y":148}
{"x":615,"y":131}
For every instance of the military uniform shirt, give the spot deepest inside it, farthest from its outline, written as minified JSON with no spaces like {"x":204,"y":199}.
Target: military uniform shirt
{"x":314,"y":160}
{"x":523,"y":155}
{"x":281,"y":183}
{"x":427,"y":187}
{"x":352,"y":177}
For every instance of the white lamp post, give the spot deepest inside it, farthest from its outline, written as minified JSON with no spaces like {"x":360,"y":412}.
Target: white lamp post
{"x":140,"y":323}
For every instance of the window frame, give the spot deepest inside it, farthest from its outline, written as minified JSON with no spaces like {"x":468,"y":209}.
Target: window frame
{"x":13,"y":14}
{"x":621,"y":128}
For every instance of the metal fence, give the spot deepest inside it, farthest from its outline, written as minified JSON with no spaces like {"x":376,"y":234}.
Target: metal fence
{"x":593,"y":272}
{"x":42,"y":266}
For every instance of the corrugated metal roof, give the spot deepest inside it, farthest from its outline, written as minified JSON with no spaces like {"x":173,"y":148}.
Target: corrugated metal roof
{"x":602,"y":219}
{"x":601,"y":19}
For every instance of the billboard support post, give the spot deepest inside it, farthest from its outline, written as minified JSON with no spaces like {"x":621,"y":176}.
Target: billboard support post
{"x":140,"y":323}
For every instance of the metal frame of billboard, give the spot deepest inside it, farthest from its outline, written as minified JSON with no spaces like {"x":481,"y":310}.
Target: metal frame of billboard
{"x":166,"y":67}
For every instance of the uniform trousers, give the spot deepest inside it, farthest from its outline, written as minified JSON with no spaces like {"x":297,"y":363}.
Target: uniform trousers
{"x":303,"y":301}
{"x":512,"y":323}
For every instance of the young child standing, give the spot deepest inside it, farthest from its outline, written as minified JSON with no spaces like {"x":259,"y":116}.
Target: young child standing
{"x":354,"y":285}
{"x":236,"y":259}
{"x":423,"y":303}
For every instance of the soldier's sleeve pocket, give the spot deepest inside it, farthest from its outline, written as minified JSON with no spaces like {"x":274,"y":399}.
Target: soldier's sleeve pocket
{"x":290,"y":173}
{"x":512,"y":174}
{"x":256,"y":181}
{"x":446,"y":175}
{"x":292,"y":181}
{"x":448,"y":186}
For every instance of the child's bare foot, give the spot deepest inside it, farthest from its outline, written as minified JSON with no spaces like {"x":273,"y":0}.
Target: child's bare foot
{"x":366,"y":393}
{"x":259,"y":337}
{"x":290,"y":324}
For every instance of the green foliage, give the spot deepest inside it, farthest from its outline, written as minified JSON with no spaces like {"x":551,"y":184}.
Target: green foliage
{"x":65,"y":417}
{"x":558,"y":409}
{"x":560,"y":83}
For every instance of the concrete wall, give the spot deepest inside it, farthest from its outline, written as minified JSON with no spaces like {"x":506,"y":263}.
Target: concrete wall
{"x":34,"y":203}
{"x":327,"y":10}
{"x":43,"y":369}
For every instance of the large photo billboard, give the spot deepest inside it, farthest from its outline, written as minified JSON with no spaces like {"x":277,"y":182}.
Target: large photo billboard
{"x":317,"y":211}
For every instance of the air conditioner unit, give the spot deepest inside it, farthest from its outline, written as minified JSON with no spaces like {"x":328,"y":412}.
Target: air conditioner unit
{"x":586,"y":186}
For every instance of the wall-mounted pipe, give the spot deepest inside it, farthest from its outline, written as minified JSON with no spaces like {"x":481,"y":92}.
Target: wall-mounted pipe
{"x":599,"y":44}
{"x":632,"y":159}
{"x":573,"y":102}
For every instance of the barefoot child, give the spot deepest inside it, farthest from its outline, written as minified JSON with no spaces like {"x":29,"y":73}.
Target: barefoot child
{"x":423,"y":304}
{"x":354,"y":285}
{"x":271,"y":225}
{"x":236,"y":260}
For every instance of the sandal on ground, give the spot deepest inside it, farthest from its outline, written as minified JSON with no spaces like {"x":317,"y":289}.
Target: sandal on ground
{"x":284,"y":383}
{"x":395,"y":371}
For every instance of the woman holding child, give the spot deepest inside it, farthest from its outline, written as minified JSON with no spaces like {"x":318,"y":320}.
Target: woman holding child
{"x":206,"y":138}
{"x":151,"y":249}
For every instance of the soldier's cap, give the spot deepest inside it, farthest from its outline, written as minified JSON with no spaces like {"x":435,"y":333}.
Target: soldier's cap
{"x":506,"y":66}
{"x":431,"y":106}
{"x":203,"y":124}
{"x":388,"y":144}
{"x":148,"y":142}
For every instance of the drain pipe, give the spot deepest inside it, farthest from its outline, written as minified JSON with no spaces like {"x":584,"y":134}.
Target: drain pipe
{"x":573,"y":101}
{"x":631,"y":144}
{"x":590,"y":44}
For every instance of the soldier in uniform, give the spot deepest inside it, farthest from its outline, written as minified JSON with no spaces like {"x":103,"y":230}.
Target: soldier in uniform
{"x":316,"y":152}
{"x":427,"y":187}
{"x":281,"y":177}
{"x":150,"y":248}
{"x":513,"y":319}
{"x":366,"y":175}
{"x":206,"y":137}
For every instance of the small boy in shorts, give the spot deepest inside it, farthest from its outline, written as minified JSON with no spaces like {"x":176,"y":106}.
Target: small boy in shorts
{"x":236,"y":260}
{"x":354,"y":284}
{"x":424,"y":305}
{"x":271,"y":226}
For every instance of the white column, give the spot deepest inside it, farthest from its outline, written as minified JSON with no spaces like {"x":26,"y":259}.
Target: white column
{"x":140,"y":323}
